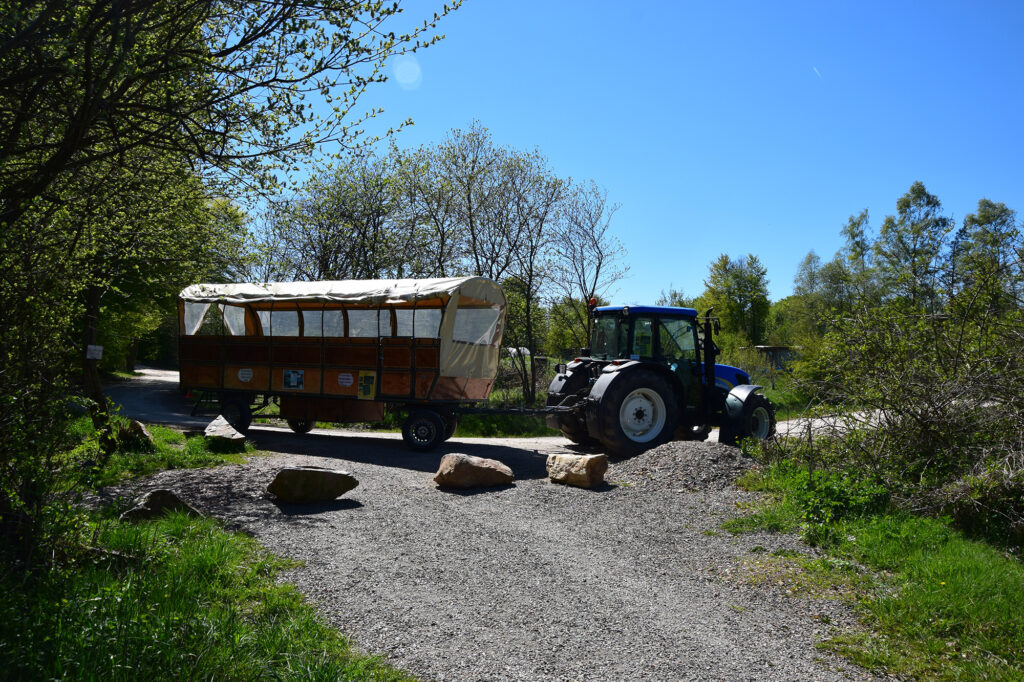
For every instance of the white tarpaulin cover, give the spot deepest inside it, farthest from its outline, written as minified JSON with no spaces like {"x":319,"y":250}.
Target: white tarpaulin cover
{"x":369,"y":291}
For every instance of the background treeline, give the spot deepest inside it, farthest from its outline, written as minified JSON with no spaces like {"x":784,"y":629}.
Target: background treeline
{"x":912,"y":339}
{"x":463,"y":207}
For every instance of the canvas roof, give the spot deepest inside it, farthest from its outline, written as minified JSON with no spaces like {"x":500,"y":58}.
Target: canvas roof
{"x":365,"y":291}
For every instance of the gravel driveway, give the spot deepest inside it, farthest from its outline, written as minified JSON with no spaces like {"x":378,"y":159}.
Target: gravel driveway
{"x":535,"y":581}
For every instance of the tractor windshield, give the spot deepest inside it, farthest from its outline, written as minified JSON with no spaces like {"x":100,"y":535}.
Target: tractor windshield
{"x":609,"y":340}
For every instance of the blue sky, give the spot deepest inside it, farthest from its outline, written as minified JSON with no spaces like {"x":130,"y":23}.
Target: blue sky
{"x":734,"y":127}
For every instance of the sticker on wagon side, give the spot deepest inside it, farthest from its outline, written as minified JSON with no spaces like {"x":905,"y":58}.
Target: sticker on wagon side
{"x":367,"y":385}
{"x":245,"y":375}
{"x":293,"y":379}
{"x":345,"y":379}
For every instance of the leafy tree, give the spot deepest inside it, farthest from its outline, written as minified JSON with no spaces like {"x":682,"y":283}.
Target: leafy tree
{"x":738,"y":291}
{"x":677,"y":298}
{"x":114,"y":114}
{"x":985,"y":268}
{"x":909,"y":249}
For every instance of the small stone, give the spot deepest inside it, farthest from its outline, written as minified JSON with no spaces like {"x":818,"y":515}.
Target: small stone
{"x":583,"y":471}
{"x":222,"y":437}
{"x":458,"y":470}
{"x":157,"y":503}
{"x":311,"y":484}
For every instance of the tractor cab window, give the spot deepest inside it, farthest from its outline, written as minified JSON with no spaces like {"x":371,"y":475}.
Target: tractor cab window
{"x":643,"y":338}
{"x":676,"y":339}
{"x":609,"y":340}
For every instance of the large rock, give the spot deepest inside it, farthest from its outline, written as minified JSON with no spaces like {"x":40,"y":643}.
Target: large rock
{"x":466,"y":471}
{"x":310,"y":484}
{"x":584,"y":471}
{"x":222,"y":437}
{"x":157,"y":503}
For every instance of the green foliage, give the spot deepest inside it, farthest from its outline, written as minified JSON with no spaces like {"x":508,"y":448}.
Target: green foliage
{"x":171,"y":598}
{"x":915,"y":343}
{"x":940,"y":606}
{"x":813,"y":500}
{"x":123,"y":128}
{"x":738,"y":291}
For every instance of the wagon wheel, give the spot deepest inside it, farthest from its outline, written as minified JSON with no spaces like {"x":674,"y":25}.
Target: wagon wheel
{"x":451,"y":422}
{"x":300,"y":425}
{"x":236,"y":411}
{"x":423,"y":430}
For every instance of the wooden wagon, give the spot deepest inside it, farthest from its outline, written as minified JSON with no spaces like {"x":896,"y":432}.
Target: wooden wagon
{"x":345,"y":351}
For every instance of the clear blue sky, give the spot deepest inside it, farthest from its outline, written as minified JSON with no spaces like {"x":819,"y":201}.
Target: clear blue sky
{"x":740,"y":127}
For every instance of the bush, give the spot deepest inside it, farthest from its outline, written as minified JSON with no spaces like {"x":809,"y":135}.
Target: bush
{"x":930,"y":406}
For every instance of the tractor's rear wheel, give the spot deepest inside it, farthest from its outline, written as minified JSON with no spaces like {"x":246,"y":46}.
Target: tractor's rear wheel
{"x":639,"y":411}
{"x":571,"y":426}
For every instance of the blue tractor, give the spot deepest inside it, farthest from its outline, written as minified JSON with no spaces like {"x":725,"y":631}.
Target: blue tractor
{"x":650,"y":376}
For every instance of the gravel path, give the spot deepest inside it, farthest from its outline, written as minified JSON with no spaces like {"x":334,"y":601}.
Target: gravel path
{"x":534,"y":581}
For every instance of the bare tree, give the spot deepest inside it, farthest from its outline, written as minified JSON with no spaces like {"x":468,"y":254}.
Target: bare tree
{"x":590,"y":257}
{"x":534,"y":196}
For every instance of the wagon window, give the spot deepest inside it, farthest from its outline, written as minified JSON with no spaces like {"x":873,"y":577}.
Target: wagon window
{"x":369,"y":323}
{"x":212,"y":324}
{"x":279,"y":322}
{"x":312,"y":323}
{"x":334,"y":323}
{"x":194,"y":313}
{"x":404,"y":321}
{"x":234,"y":319}
{"x":476,"y":325}
{"x":428,"y":323}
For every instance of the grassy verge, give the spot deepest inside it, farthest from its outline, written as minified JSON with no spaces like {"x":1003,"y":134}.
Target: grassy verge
{"x":936,"y":605}
{"x":176,"y":598}
{"x":172,"y":599}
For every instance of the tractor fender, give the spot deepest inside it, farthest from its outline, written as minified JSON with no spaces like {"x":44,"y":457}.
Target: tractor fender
{"x":608,"y":376}
{"x":733,"y":408}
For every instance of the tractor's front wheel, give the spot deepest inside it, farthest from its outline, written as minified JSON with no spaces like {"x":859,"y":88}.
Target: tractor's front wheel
{"x":639,"y":411}
{"x":757,"y":420}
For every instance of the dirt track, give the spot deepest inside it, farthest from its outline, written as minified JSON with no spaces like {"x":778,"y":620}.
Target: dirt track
{"x":534,"y":581}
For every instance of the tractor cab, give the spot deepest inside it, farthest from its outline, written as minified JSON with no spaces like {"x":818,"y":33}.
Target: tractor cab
{"x":659,"y":334}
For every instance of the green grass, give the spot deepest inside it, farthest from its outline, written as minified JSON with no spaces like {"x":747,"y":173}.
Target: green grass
{"x":938,"y":606}
{"x":171,"y":450}
{"x":171,"y":599}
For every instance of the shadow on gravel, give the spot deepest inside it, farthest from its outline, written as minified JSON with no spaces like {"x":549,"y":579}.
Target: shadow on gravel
{"x":391,"y":452}
{"x":469,"y":492}
{"x":311,"y":508}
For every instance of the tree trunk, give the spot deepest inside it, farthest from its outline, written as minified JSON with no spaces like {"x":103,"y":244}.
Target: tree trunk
{"x":91,"y":372}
